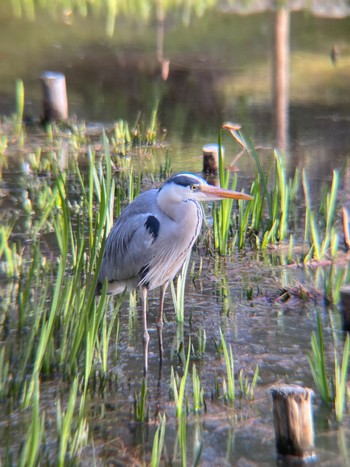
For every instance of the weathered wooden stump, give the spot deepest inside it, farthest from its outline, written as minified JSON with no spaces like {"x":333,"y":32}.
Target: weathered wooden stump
{"x":211,"y":158}
{"x":293,"y":422}
{"x":55,"y":96}
{"x":345,"y":306}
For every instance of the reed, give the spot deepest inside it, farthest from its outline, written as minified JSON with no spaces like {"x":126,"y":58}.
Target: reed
{"x":62,"y":332}
{"x":158,"y":442}
{"x":178,"y":291}
{"x":320,"y":247}
{"x":222,"y":211}
{"x":229,"y":382}
{"x":247,"y":387}
{"x":317,"y":361}
{"x":332,"y":388}
{"x":198,"y":392}
{"x":178,"y":386}
{"x":68,"y":433}
{"x":340,"y":380}
{"x":4,"y":374}
{"x":11,"y":266}
{"x":19,"y":101}
{"x":201,"y":342}
{"x":30,"y":452}
{"x":141,"y":410}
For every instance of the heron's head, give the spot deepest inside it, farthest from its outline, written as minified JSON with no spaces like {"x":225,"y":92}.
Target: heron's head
{"x":185,"y":186}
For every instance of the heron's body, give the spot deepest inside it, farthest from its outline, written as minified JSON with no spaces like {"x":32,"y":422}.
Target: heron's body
{"x":152,"y":238}
{"x":155,"y":244}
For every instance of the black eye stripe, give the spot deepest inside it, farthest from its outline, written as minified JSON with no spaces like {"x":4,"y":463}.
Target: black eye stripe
{"x":184,"y":180}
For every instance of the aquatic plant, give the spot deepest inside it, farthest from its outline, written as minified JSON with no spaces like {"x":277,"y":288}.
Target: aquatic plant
{"x":72,"y":431}
{"x":222,"y":211}
{"x":30,"y":452}
{"x":158,"y":442}
{"x":198,"y":392}
{"x":332,"y":388}
{"x":178,"y":292}
{"x":201,"y":342}
{"x":178,"y":386}
{"x":53,"y":328}
{"x":141,"y":411}
{"x":228,"y":383}
{"x":319,"y":248}
{"x":247,"y":387}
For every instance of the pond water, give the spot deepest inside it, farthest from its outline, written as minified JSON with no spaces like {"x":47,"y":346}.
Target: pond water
{"x":222,"y":68}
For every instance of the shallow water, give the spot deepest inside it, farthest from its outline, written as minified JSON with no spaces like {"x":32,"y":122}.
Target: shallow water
{"x":261,"y":331}
{"x":223,"y":74}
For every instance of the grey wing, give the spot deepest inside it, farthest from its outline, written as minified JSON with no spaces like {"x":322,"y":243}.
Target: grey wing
{"x":129,"y":246}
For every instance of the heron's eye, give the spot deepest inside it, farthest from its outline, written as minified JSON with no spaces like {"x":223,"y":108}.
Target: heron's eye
{"x":194,"y":187}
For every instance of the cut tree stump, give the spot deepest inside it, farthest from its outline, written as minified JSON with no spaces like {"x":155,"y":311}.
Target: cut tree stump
{"x":211,"y":158}
{"x":293,"y":422}
{"x":55,"y":96}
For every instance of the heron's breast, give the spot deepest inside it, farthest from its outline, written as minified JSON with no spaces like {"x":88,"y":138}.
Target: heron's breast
{"x":172,"y":246}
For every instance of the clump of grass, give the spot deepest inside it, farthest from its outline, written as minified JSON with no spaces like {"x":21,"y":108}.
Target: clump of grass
{"x":121,"y":139}
{"x":228,"y":383}
{"x":247,"y":387}
{"x":252,"y":225}
{"x":332,"y":388}
{"x":198,"y":392}
{"x":141,"y":411}
{"x":178,"y":386}
{"x":201,"y":342}
{"x":72,"y":432}
{"x":12,"y":260}
{"x":319,"y":247}
{"x":30,"y":452}
{"x":158,"y":442}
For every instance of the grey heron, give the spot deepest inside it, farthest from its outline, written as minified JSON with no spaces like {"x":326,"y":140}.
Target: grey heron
{"x":152,"y":238}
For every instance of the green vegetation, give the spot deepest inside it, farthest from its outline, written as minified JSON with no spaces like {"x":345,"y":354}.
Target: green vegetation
{"x":228,"y":383}
{"x":158,"y":442}
{"x":53,"y":328}
{"x":332,"y":388}
{"x":178,"y":292}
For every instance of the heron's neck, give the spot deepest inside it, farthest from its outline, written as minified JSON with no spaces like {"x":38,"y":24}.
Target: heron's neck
{"x":176,"y":208}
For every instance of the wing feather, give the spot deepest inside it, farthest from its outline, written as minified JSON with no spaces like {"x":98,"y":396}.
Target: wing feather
{"x":128,"y":248}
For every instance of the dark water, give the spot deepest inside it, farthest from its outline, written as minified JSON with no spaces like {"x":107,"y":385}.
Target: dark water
{"x":222,"y":68}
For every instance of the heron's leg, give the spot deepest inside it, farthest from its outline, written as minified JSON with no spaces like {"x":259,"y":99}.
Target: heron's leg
{"x":160,"y":320}
{"x":145,"y":330}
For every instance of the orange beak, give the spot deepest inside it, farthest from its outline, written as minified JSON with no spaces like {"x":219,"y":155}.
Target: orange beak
{"x":213,"y":192}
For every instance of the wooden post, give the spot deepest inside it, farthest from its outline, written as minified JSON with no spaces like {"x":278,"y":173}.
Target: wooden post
{"x":345,"y":306}
{"x":55,"y":96}
{"x":293,"y":422}
{"x":211,"y":158}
